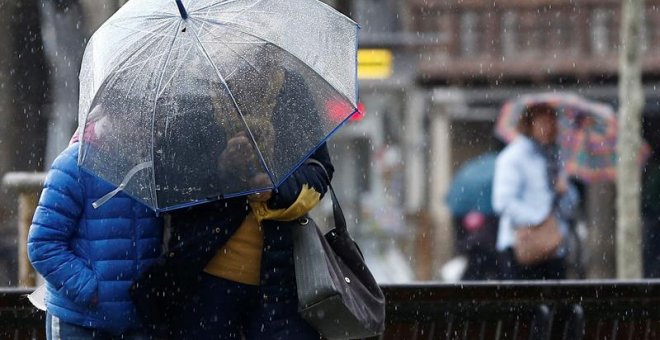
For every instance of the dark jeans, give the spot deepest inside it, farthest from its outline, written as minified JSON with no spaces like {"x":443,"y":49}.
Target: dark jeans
{"x":223,"y":309}
{"x":651,"y":247}
{"x":510,"y":269}
{"x":478,"y":245}
{"x":57,"y":329}
{"x":482,"y":265}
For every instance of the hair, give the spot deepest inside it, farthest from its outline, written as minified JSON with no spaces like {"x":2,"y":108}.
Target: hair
{"x":530,"y":114}
{"x":255,"y":88}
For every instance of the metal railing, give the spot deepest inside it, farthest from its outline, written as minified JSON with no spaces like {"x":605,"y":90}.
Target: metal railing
{"x":28,"y":186}
{"x":525,"y":310}
{"x":19,"y":320}
{"x":472,"y":310}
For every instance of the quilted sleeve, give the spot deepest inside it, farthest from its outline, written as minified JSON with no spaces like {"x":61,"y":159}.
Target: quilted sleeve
{"x":53,"y":225}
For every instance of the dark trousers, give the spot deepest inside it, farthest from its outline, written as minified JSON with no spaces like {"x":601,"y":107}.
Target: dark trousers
{"x":510,"y":269}
{"x":224,"y":309}
{"x":482,"y":265}
{"x":651,"y":247}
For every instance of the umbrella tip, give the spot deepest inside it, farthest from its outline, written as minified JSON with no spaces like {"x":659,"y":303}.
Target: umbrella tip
{"x":182,"y":10}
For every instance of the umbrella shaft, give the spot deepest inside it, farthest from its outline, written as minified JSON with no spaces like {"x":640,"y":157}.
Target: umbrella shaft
{"x":182,"y":10}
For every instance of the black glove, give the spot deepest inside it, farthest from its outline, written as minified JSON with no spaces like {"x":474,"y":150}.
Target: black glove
{"x":308,"y":173}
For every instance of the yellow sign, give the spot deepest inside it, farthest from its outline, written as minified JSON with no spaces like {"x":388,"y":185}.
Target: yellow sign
{"x":374,"y":63}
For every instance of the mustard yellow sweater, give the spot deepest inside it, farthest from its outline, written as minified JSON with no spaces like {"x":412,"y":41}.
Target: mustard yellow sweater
{"x":239,"y":259}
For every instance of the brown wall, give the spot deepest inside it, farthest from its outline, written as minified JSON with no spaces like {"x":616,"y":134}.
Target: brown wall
{"x":531,"y":40}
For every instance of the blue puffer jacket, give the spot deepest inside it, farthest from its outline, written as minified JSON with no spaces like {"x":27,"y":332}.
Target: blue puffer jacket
{"x":89,"y":257}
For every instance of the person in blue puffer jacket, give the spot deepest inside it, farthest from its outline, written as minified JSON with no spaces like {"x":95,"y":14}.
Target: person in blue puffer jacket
{"x":90,"y":256}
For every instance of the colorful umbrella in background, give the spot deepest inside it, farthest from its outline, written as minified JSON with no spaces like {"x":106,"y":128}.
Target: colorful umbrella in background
{"x":587,"y":133}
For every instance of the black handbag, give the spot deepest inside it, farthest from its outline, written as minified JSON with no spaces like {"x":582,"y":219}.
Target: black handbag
{"x":337,"y":294}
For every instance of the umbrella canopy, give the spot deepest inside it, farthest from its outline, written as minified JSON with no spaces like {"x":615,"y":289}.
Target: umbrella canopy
{"x":587,"y":133}
{"x":186,"y":102}
{"x":472,"y":186}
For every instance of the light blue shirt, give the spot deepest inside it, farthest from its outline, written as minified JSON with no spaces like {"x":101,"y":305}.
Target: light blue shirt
{"x":522,"y":195}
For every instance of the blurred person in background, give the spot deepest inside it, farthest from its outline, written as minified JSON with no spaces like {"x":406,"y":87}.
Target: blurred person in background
{"x":530,"y":189}
{"x":475,"y":222}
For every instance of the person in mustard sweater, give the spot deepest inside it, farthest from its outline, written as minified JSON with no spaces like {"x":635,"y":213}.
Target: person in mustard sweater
{"x":248,"y":287}
{"x":228,"y":272}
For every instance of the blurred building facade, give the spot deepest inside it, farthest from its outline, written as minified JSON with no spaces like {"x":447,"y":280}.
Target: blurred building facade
{"x":454,"y":63}
{"x":40,"y":52}
{"x":433,"y":75}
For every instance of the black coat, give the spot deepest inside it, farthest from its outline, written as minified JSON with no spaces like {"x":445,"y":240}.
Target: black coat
{"x":164,"y":290}
{"x":199,"y":231}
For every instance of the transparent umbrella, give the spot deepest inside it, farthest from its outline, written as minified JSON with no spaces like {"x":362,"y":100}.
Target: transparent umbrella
{"x":186,"y":102}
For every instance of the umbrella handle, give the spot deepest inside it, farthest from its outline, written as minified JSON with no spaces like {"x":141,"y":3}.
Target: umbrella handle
{"x":182,"y":10}
{"x":101,"y":201}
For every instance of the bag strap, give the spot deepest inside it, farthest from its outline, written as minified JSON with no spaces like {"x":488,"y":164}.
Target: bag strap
{"x":340,"y":220}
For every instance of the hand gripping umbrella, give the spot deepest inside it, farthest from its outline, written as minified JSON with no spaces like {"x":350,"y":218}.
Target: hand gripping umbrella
{"x":183,"y":102}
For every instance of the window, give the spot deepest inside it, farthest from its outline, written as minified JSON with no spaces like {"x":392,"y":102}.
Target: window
{"x":509,"y":33}
{"x":340,"y":5}
{"x":377,"y":16}
{"x":469,"y":34}
{"x":601,"y":23}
